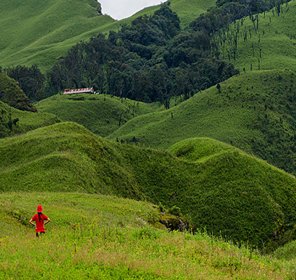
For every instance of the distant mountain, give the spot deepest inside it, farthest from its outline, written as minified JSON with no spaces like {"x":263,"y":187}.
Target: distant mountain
{"x":39,"y":32}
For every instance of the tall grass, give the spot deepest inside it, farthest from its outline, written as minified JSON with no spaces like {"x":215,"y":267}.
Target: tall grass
{"x":110,"y":238}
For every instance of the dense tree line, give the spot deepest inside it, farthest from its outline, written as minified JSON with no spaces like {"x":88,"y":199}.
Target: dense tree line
{"x":150,"y":60}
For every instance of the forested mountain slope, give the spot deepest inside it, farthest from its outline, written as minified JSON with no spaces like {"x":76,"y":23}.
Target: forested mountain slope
{"x":220,"y":188}
{"x":39,"y":32}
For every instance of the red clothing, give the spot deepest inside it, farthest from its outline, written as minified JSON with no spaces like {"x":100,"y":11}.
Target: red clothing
{"x":39,"y":222}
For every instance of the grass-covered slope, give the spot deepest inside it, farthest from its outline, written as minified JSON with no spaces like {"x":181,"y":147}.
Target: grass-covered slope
{"x":39,"y":32}
{"x":103,"y":237}
{"x":229,"y":193}
{"x":102,"y":114}
{"x":25,"y":120}
{"x":266,"y":43}
{"x":253,"y":111}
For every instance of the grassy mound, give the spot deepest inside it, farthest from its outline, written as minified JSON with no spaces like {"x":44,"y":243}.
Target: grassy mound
{"x":40,"y":32}
{"x":226,"y":191}
{"x":262,"y":43}
{"x":13,"y":95}
{"x":102,"y":114}
{"x":253,"y":111}
{"x":104,"y":237}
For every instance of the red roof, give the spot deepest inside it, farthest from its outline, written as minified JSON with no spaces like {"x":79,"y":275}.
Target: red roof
{"x":79,"y":90}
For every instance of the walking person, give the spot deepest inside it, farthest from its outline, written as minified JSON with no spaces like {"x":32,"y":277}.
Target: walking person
{"x":40,"y":221}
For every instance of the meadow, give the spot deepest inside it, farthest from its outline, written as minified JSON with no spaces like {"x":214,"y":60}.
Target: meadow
{"x":104,"y":237}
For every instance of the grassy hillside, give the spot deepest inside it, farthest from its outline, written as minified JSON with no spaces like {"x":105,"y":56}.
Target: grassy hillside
{"x":254,"y":111}
{"x":104,"y":237}
{"x":41,"y":31}
{"x":35,"y":32}
{"x":268,"y":44}
{"x":26,"y":120}
{"x":229,"y":193}
{"x":102,"y":114}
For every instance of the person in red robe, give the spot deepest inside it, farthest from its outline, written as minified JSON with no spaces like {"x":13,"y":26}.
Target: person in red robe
{"x":39,"y":220}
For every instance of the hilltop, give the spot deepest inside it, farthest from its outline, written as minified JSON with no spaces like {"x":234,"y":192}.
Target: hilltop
{"x":229,"y":193}
{"x":113,"y":238}
{"x":41,"y":32}
{"x":102,"y":114}
{"x":186,"y":10}
{"x":253,"y":111}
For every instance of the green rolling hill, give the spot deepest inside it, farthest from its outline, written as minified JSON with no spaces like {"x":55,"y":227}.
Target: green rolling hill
{"x":268,"y":44}
{"x":253,"y":111}
{"x":35,"y":32}
{"x":104,"y":237}
{"x":102,"y":114}
{"x":219,"y":187}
